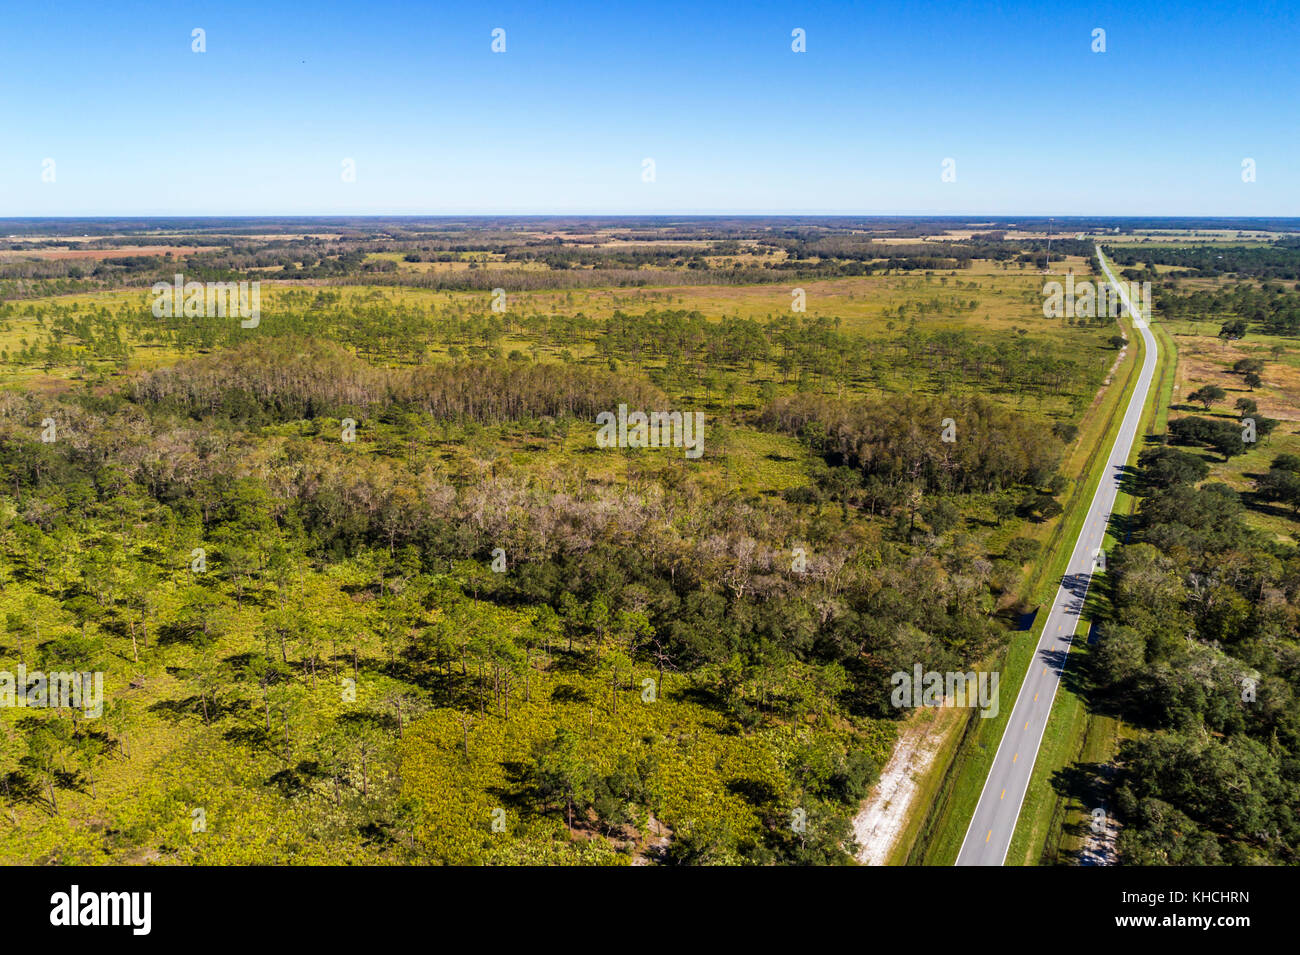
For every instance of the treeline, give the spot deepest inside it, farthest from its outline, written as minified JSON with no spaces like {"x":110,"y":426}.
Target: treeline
{"x":346,"y":261}
{"x":1000,"y":249}
{"x":1199,"y":648}
{"x":959,"y":445}
{"x":128,"y":269}
{"x":622,"y":257}
{"x":1277,"y":260}
{"x":295,"y":379}
{"x":1269,"y":307}
{"x":816,"y":349}
{"x":1228,"y":438}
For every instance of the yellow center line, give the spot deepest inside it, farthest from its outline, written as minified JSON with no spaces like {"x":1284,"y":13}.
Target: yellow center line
{"x":1035,"y":697}
{"x":1026,"y":724}
{"x":1015,"y":757}
{"x":989,"y":836}
{"x":1004,"y":794}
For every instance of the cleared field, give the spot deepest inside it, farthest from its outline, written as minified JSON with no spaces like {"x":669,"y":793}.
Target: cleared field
{"x":177,"y":251}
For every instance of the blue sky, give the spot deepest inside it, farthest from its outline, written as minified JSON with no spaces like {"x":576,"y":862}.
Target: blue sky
{"x":734,"y":120}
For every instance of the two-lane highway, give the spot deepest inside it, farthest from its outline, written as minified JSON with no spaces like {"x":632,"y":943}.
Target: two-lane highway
{"x":989,"y":836}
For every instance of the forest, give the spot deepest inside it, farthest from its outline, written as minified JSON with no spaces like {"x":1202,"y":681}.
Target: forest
{"x":1278,"y":260}
{"x":1199,"y":648}
{"x":306,"y":539}
{"x":1269,"y":308}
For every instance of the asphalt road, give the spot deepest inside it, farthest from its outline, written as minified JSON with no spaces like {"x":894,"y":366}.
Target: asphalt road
{"x":989,"y":836}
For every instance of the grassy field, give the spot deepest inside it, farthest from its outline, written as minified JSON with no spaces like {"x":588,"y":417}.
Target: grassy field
{"x":1205,"y":359}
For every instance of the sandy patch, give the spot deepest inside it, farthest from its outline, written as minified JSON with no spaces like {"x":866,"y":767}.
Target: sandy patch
{"x":891,"y":804}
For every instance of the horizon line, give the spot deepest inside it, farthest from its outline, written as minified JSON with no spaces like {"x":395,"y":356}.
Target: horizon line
{"x":642,"y":215}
